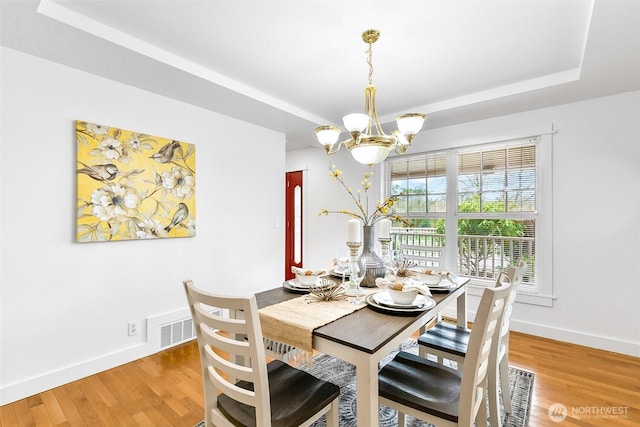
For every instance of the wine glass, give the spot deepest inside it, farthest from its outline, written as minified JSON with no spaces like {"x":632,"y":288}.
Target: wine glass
{"x":394,"y":260}
{"x":342,"y":260}
{"x":358,"y":269}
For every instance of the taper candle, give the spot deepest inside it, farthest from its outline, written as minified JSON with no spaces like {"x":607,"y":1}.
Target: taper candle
{"x":385,"y":229}
{"x":353,"y":230}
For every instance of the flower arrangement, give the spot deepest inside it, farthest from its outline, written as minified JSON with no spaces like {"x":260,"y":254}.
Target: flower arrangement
{"x":361,"y":200}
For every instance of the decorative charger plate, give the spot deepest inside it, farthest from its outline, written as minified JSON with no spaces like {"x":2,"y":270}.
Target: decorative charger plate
{"x":393,"y":310}
{"x":383,"y":298}
{"x":294,"y":285}
{"x":336,"y":272}
{"x":443,"y":287}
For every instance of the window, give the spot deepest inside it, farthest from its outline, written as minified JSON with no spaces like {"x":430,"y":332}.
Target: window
{"x":478,"y":205}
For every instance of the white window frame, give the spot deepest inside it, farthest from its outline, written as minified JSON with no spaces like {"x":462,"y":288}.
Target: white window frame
{"x":542,"y":294}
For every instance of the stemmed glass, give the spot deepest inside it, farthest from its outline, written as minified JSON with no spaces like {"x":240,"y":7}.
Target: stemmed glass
{"x":342,"y":260}
{"x":358,"y":269}
{"x":393,"y":261}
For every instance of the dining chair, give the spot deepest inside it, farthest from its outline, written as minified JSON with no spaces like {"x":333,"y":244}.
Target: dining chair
{"x":446,"y":341}
{"x":240,"y":387}
{"x":443,"y":396}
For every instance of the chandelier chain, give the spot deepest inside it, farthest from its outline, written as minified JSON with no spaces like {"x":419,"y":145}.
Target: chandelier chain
{"x":370,"y":62}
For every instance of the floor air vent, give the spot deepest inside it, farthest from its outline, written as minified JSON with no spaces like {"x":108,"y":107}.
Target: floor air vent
{"x":176,"y":333}
{"x":168,"y":329}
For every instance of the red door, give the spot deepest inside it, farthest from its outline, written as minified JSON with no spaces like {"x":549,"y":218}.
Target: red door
{"x":293,"y":214}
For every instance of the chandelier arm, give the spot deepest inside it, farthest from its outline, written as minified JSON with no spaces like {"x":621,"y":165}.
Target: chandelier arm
{"x":333,"y":149}
{"x":400,"y":149}
{"x":374,"y":114}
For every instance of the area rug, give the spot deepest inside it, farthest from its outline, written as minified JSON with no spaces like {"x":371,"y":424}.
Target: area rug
{"x":343,"y":374}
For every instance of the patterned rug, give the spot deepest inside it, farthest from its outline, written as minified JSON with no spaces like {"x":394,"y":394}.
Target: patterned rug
{"x":343,"y":374}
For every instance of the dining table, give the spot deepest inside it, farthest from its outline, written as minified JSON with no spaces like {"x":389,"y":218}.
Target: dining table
{"x":364,"y":337}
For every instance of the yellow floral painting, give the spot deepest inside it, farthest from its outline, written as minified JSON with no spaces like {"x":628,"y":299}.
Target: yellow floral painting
{"x":132,"y":185}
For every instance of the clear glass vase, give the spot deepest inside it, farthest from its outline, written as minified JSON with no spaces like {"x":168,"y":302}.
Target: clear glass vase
{"x":375,"y":265}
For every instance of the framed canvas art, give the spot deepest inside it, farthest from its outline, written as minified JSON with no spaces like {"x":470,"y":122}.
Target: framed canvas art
{"x":133,"y":186}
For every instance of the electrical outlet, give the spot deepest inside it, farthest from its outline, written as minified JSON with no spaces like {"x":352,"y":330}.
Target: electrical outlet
{"x":133,"y":328}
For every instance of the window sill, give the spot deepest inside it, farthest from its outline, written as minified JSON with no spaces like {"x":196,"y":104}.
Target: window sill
{"x":524,"y":296}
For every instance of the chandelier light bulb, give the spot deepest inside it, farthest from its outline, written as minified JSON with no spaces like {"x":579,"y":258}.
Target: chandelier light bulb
{"x":356,"y":122}
{"x":410,"y":123}
{"x":327,"y":135}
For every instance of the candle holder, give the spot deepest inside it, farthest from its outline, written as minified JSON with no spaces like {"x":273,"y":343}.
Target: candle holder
{"x":354,"y":247}
{"x":384,"y":250}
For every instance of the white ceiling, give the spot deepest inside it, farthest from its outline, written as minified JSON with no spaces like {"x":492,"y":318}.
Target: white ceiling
{"x":292,"y":65}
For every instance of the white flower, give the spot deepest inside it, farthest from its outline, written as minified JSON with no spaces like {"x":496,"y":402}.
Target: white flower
{"x":111,"y":148}
{"x":115,"y":202}
{"x":134,"y":141}
{"x":97,"y":129}
{"x":191,"y":227}
{"x":150,"y":229}
{"x":179,"y":181}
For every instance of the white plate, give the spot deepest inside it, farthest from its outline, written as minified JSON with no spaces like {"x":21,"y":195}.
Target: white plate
{"x":383,"y":298}
{"x":295,"y":283}
{"x":369,"y":299}
{"x":296,"y":286}
{"x":338,"y":272}
{"x":445,"y":284}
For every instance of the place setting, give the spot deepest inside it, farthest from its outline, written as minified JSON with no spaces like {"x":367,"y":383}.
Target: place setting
{"x":306,"y":279}
{"x":399,"y":297}
{"x":438,"y":282}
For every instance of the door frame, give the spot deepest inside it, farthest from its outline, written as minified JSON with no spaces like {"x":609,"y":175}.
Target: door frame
{"x":293,"y":180}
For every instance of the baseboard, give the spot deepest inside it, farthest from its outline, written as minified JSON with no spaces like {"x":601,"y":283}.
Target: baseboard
{"x":600,"y":342}
{"x":580,"y":338}
{"x":37,"y":384}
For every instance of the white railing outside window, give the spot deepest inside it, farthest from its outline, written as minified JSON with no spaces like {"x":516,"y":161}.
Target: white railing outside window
{"x":478,"y":257}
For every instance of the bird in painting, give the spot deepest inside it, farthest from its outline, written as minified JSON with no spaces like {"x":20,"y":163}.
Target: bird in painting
{"x":101,"y":173}
{"x":181,"y":214}
{"x":166,"y":152}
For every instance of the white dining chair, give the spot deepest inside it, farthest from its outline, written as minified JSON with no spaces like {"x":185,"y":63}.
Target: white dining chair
{"x":416,"y":386}
{"x":450,"y":342}
{"x":254,"y":393}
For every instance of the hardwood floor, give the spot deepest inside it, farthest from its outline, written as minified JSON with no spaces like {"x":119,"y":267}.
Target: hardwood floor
{"x":165,"y":390}
{"x":589,"y":383}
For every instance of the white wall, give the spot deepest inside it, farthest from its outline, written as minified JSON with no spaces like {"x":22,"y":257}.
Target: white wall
{"x":596,"y":217}
{"x":65,"y":306}
{"x":323,"y":235}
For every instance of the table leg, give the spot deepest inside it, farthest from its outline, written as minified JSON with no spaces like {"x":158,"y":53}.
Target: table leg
{"x":367,"y":392}
{"x":461,"y":309}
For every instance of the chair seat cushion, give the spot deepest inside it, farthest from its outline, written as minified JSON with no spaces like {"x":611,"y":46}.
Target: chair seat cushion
{"x":295,"y":397}
{"x":447,"y":338}
{"x":418,"y":383}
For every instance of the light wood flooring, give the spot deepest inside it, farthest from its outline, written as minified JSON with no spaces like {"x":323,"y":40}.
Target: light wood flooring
{"x":165,"y":390}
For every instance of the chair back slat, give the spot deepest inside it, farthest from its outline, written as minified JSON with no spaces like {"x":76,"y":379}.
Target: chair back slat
{"x":221,"y":341}
{"x":240,"y":394}
{"x":231,"y":369}
{"x":217,"y":321}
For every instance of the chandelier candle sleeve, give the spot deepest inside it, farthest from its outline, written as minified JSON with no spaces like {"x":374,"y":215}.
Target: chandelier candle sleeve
{"x":353,"y":231}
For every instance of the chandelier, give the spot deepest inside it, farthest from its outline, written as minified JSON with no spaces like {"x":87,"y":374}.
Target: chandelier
{"x":369,"y":144}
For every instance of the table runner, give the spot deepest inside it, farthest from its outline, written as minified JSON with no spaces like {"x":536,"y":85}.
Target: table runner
{"x":290,"y":324}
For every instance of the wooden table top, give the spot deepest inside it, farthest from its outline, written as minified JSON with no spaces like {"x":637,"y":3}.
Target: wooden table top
{"x":366,"y":330}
